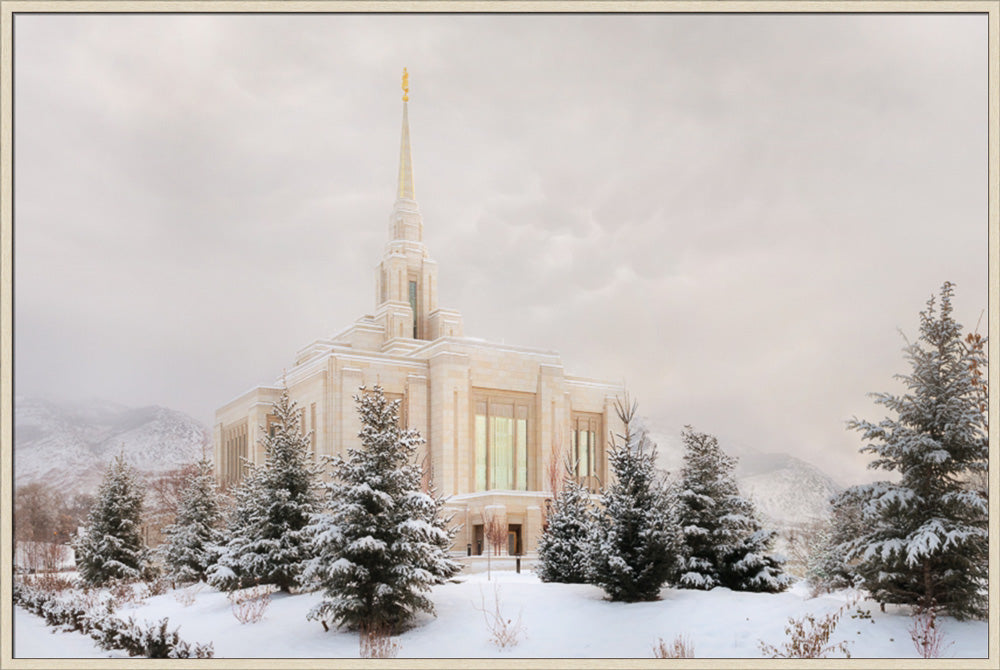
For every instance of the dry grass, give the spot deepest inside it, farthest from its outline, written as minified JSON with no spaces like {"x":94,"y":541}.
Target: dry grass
{"x":809,"y":637}
{"x":249,"y":605}
{"x":376,"y":642}
{"x":681,"y":647}
{"x":505,"y":632}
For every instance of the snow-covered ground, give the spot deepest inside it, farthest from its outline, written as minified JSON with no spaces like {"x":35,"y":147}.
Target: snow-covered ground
{"x":559,"y":620}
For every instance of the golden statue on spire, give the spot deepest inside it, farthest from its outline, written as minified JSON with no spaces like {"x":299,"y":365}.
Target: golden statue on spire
{"x":406,"y":85}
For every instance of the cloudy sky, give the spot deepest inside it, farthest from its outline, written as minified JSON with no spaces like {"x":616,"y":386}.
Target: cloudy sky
{"x":734,"y":215}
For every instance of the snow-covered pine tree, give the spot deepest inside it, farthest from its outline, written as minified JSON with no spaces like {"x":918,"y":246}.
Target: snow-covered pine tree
{"x":562,"y":549}
{"x":632,"y":550}
{"x":267,"y":543}
{"x":827,"y":568}
{"x":228,"y":573}
{"x":923,"y":540}
{"x":722,"y":542}
{"x":384,"y":543}
{"x":111,"y":545}
{"x":191,"y":543}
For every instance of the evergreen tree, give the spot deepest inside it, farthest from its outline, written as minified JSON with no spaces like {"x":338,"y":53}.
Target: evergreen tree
{"x":827,"y":568}
{"x":267,"y":543}
{"x":191,"y":542}
{"x":384,"y":543}
{"x":111,"y":546}
{"x":632,"y":550}
{"x":722,"y":542}
{"x":923,"y":540}
{"x":562,"y":548}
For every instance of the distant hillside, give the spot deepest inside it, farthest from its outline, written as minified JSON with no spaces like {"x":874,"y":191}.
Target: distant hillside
{"x":787,"y":491}
{"x":69,"y":446}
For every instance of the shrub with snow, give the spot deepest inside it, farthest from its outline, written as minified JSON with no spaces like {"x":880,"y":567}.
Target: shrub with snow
{"x":383,"y":543}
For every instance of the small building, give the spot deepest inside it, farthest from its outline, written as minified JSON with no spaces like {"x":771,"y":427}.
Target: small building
{"x":495,"y":417}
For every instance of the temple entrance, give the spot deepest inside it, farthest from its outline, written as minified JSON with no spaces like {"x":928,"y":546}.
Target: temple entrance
{"x":514,"y":539}
{"x":477,"y":540}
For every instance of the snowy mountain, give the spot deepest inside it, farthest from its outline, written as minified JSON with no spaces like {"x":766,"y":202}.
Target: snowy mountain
{"x":69,"y":446}
{"x":785,"y":489}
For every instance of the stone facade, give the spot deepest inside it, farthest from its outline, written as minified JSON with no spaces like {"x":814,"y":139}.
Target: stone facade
{"x":494,"y":416}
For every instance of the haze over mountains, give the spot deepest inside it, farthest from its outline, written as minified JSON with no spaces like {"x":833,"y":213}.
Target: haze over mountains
{"x":69,"y":446}
{"x":786,"y":490}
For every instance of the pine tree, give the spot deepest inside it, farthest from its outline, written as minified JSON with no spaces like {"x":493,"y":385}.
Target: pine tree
{"x":562,"y":548}
{"x":632,"y":550}
{"x":384,"y":543}
{"x":827,"y":568}
{"x":722,"y":542}
{"x":267,"y":543}
{"x":924,"y":536}
{"x":111,"y":546}
{"x":191,"y":542}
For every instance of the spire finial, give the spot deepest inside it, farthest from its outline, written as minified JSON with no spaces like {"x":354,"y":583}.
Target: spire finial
{"x":405,"y":189}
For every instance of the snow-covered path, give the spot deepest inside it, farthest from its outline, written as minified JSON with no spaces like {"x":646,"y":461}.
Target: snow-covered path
{"x":559,"y":620}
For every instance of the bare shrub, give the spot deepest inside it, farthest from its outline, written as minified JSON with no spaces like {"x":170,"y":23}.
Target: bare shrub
{"x":53,"y":582}
{"x":250,"y":604}
{"x":505,"y":632}
{"x":124,"y":592}
{"x":376,"y":642}
{"x":927,"y":636}
{"x":681,"y":647}
{"x":35,"y":556}
{"x":809,"y":637}
{"x":186,"y":596}
{"x":157,"y":587}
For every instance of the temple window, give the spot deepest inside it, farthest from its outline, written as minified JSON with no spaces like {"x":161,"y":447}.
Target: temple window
{"x":413,"y":306}
{"x":501,"y":443}
{"x":587,"y":453}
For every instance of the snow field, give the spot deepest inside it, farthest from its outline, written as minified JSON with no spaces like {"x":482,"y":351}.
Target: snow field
{"x":559,"y":621}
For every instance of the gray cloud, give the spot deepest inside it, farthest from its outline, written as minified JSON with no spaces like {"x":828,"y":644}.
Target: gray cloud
{"x":733,"y":214}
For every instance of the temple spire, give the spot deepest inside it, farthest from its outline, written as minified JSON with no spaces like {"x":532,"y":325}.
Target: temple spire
{"x":405,"y":190}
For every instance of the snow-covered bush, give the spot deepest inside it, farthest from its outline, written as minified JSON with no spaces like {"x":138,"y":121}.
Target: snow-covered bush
{"x":384,"y":543}
{"x":111,"y":546}
{"x":922,"y":539}
{"x":632,"y":550}
{"x":267,"y":543}
{"x":721,"y":540}
{"x":562,"y":549}
{"x":191,"y":542}
{"x":93,"y":617}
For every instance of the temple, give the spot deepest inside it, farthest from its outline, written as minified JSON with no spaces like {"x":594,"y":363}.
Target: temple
{"x":496,"y":418}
